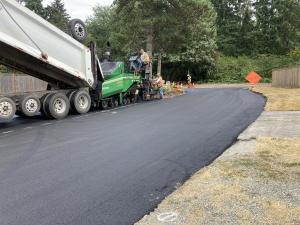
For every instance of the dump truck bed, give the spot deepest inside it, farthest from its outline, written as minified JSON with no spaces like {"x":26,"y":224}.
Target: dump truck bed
{"x":32,"y":45}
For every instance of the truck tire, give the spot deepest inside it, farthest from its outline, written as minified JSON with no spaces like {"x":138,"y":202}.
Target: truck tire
{"x":7,"y":109}
{"x":70,"y":95}
{"x":104,"y":104}
{"x":115,"y":103}
{"x":29,"y":106}
{"x":44,"y":106}
{"x":57,"y":106}
{"x":78,"y":30}
{"x":68,"y":31}
{"x":81,"y":102}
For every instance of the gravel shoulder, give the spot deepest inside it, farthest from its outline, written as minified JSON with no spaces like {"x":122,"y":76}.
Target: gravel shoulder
{"x":256,"y":181}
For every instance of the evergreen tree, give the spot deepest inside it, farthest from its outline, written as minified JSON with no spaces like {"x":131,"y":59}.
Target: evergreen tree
{"x":100,"y":28}
{"x":278,"y":25}
{"x":248,"y":27}
{"x":246,"y":40}
{"x":287,"y":25}
{"x":37,"y":7}
{"x":229,"y":22}
{"x":266,"y":33}
{"x":57,"y":14}
{"x":183,"y":30}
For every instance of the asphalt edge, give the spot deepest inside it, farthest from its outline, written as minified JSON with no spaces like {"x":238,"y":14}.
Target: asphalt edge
{"x":234,"y":142}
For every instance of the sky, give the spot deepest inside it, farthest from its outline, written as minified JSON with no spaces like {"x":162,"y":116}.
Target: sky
{"x":81,"y":9}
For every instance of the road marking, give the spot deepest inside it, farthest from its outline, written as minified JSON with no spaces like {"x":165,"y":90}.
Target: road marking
{"x":126,"y":106}
{"x":167,"y":217}
{"x":8,"y":132}
{"x":77,"y":117}
{"x":118,"y":108}
{"x":122,"y":107}
{"x":27,"y":128}
{"x":46,"y":124}
{"x":94,"y":113}
{"x":114,"y":112}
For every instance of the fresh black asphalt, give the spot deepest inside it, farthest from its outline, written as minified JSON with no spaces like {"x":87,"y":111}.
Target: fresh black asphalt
{"x":113,"y":167}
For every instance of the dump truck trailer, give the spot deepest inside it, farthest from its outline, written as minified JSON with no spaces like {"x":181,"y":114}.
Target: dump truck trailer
{"x":30,"y":44}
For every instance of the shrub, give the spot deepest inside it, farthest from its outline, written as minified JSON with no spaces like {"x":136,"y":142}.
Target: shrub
{"x":234,"y":69}
{"x":295,"y":54}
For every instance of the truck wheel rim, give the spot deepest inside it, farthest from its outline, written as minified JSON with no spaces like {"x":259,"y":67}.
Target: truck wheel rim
{"x":105,"y":104}
{"x":83,"y":102}
{"x":79,"y":30}
{"x":6,"y":109}
{"x":59,"y":106}
{"x":31,"y":105}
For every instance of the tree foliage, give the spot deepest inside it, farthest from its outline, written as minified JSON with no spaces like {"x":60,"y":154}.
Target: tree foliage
{"x":176,"y":24}
{"x":184,"y":31}
{"x":250,"y":27}
{"x":37,"y":7}
{"x":100,"y":27}
{"x":55,"y":13}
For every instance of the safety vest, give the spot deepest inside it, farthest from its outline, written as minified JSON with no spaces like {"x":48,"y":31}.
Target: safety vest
{"x":145,"y":58}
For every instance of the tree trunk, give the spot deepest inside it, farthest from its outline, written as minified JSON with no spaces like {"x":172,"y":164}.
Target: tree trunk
{"x":149,"y":49}
{"x":159,"y":64}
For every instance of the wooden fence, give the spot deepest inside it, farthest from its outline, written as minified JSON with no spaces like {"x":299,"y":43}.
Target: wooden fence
{"x":12,"y":83}
{"x":286,"y":77}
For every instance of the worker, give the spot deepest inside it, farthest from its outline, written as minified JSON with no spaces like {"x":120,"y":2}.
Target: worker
{"x":189,"y":78}
{"x":160,"y":83}
{"x":143,"y":60}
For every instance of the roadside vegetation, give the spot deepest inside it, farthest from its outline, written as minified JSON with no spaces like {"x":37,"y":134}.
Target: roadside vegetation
{"x":231,"y":69}
{"x":216,"y":41}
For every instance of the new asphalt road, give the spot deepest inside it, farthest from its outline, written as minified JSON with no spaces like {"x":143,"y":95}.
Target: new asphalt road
{"x":113,"y":167}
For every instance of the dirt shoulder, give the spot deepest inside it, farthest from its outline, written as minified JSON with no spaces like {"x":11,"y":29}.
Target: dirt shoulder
{"x":256,"y":181}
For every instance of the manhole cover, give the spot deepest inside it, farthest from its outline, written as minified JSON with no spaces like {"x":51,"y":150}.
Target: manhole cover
{"x":167,"y":217}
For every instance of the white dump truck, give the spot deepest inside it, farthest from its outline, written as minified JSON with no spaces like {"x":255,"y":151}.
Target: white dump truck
{"x":32,"y":45}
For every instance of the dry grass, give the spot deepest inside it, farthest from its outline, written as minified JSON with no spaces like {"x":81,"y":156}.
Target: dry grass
{"x":274,"y":159}
{"x":280,"y":99}
{"x":262,"y":187}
